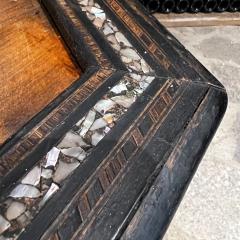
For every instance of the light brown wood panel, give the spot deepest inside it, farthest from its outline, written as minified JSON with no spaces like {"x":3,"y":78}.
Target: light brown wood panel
{"x":34,"y":65}
{"x":199,"y":19}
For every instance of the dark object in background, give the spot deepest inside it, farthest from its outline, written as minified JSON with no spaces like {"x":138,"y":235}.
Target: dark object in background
{"x":196,"y":6}
{"x":193,"y":6}
{"x":182,"y":6}
{"x":222,"y":5}
{"x":167,"y":6}
{"x":153,"y":5}
{"x":234,"y":6}
{"x":209,"y":6}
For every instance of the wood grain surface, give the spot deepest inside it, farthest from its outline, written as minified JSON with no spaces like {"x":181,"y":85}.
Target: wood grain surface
{"x":199,"y":20}
{"x":34,"y":65}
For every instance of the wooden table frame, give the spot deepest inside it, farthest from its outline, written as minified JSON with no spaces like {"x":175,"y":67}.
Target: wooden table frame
{"x":163,"y":135}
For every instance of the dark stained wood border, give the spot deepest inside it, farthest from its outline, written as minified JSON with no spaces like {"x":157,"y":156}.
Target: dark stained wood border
{"x":158,"y":31}
{"x":156,"y":133}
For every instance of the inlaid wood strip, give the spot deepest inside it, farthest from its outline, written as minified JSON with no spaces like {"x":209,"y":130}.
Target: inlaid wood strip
{"x":27,"y":144}
{"x":139,"y":33}
{"x":106,"y":174}
{"x":81,"y":28}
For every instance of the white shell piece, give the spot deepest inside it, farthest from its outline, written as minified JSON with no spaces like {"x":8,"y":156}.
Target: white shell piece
{"x":15,"y":210}
{"x":33,"y":177}
{"x":75,"y":152}
{"x":27,"y":191}
{"x":52,"y":157}
{"x":72,"y":140}
{"x":63,"y":170}
{"x":104,"y":105}
{"x":124,"y":100}
{"x":53,"y":188}
{"x":122,"y":39}
{"x":96,"y":138}
{"x":87,"y":122}
{"x":4,"y":224}
{"x":130,"y":53}
{"x":119,"y":88}
{"x":99,"y":123}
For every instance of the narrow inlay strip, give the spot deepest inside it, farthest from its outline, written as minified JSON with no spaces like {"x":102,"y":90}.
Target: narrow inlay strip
{"x":127,"y":52}
{"x":114,"y":165}
{"x":45,"y":178}
{"x":42,"y":181}
{"x":142,"y":35}
{"x":81,"y":28}
{"x":27,"y":144}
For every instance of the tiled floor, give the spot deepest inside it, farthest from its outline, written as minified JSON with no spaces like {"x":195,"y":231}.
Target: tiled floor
{"x":210,"y":209}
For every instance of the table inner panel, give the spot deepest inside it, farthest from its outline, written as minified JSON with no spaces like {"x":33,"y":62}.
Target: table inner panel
{"x":34,"y":65}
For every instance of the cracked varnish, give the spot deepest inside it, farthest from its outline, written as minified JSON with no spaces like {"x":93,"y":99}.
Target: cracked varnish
{"x":34,"y":65}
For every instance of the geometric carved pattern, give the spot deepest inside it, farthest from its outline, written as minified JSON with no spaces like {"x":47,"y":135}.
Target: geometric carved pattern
{"x":174,"y":105}
{"x":28,"y":143}
{"x":139,"y":32}
{"x":110,"y":171}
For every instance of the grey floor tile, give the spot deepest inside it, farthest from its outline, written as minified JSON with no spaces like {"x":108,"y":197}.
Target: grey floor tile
{"x":210,"y":209}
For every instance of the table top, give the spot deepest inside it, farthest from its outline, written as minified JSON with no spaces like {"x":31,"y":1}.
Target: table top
{"x":34,"y":66}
